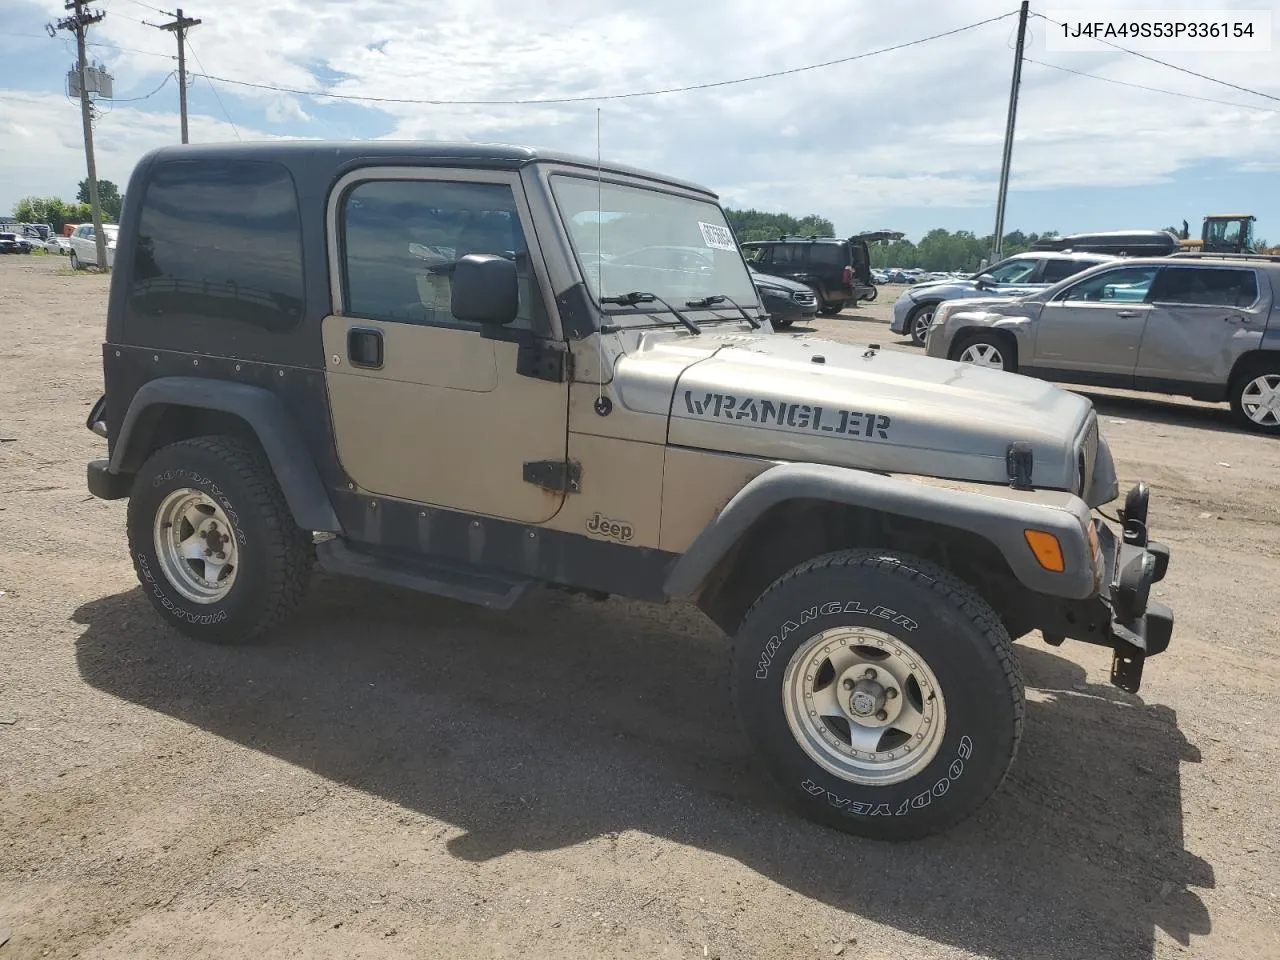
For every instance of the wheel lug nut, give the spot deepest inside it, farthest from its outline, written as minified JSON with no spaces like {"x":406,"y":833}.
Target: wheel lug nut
{"x":848,"y":684}
{"x":870,"y":674}
{"x":881,"y":715}
{"x":890,"y":693}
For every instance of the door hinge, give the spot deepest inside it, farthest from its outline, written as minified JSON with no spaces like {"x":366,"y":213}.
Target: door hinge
{"x":544,"y":360}
{"x":558,"y":476}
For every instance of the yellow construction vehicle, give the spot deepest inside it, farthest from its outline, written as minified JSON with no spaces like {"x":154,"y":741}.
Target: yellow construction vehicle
{"x":1223,"y":233}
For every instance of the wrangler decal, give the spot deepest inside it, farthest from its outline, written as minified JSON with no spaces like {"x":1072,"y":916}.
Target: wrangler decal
{"x":789,"y":416}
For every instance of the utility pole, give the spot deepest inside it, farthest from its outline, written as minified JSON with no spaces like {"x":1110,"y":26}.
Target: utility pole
{"x":77,"y":24}
{"x":997,"y":245}
{"x":179,"y":26}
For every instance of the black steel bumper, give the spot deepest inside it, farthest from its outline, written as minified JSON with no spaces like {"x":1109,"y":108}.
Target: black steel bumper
{"x":106,"y":485}
{"x":1121,"y":614}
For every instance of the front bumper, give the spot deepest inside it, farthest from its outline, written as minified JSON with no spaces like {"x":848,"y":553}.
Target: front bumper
{"x":786,"y":309}
{"x":902,"y":308}
{"x":1121,"y":615}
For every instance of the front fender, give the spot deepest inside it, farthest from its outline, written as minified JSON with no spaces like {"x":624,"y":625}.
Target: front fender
{"x":1000,"y":517}
{"x":265,"y":414}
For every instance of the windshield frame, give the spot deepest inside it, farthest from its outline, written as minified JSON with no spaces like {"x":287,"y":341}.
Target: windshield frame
{"x":643,"y":315}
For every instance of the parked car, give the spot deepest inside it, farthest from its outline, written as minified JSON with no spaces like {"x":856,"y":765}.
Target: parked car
{"x":784,"y":300}
{"x":12,"y":243}
{"x":1121,"y":243}
{"x":84,"y":246}
{"x":1201,"y":326}
{"x":839,"y":271}
{"x":276,"y":365}
{"x":1011,"y":277}
{"x":57,"y":244}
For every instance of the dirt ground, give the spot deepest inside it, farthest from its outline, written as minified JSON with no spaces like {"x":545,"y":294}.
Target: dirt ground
{"x":400,"y":776}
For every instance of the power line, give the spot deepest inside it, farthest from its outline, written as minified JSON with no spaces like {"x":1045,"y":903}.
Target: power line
{"x":147,"y":6}
{"x":1139,"y":86}
{"x":94,"y":43}
{"x":167,"y":78}
{"x":1171,"y":66}
{"x":216,"y":95}
{"x":606,"y":96}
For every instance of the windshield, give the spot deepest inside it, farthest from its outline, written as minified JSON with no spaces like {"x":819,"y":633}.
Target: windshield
{"x":634,"y":239}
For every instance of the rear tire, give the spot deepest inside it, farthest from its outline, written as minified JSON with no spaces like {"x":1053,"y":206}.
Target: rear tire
{"x":213,"y":542}
{"x":75,"y":261}
{"x":915,"y":748}
{"x":830,"y":309}
{"x":1255,"y":397}
{"x":782,"y":324}
{"x":871,"y":297}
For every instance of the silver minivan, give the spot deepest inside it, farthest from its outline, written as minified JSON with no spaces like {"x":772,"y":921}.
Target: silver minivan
{"x":1197,"y":325}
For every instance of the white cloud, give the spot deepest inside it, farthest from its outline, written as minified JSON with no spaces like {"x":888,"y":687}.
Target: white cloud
{"x":916,"y":129}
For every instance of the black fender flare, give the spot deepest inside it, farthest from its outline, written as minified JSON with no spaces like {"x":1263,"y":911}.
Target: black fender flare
{"x":1001,"y":520}
{"x":265,"y":414}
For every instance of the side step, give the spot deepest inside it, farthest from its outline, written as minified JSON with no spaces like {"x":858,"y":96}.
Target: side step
{"x":484,"y":588}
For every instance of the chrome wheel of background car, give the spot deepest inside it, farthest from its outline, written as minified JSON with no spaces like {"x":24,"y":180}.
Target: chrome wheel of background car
{"x":864,"y":705}
{"x":921,"y":320}
{"x":1260,"y":400}
{"x":983,"y":355}
{"x":196,"y":546}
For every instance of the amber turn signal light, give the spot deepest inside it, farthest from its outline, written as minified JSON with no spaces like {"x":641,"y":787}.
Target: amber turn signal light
{"x":1046,"y":548}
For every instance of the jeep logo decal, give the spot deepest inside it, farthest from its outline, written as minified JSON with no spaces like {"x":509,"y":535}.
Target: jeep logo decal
{"x":791,"y":417}
{"x":618,"y":530}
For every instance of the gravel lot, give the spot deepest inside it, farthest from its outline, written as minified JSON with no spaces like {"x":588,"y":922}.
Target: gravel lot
{"x":400,"y":776}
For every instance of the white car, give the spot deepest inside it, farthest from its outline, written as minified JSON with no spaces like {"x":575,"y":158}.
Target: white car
{"x":57,"y":245}
{"x":84,"y":246}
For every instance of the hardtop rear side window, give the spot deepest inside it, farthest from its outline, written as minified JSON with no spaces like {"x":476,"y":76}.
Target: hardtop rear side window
{"x":1206,"y":286}
{"x":790,"y":254}
{"x":1055,"y":270}
{"x":218,"y":243}
{"x":828,"y":255}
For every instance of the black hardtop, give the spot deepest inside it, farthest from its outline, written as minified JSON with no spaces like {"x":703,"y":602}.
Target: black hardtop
{"x":320,"y":159}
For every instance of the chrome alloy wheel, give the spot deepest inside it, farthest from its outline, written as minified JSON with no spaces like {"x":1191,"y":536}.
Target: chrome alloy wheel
{"x":983,"y":355}
{"x":196,"y":546}
{"x":1260,"y":400}
{"x":864,"y":705}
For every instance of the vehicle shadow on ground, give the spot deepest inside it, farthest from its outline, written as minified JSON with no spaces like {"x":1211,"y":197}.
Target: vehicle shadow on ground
{"x":566,"y":720}
{"x":1161,"y":410}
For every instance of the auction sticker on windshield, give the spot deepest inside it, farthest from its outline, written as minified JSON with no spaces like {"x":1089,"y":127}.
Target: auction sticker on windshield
{"x":717,"y":238}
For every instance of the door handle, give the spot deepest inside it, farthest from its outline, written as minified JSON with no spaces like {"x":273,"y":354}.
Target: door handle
{"x":1127,"y":314}
{"x":1235,"y":319}
{"x":364,"y":347}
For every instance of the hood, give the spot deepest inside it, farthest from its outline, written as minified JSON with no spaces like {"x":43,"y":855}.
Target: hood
{"x":768,"y":280}
{"x":893,"y":412}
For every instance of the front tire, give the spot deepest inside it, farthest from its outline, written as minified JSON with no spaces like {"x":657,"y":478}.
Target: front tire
{"x":1255,"y":398}
{"x":988,"y":350}
{"x":919,"y":321}
{"x":881,"y":692}
{"x":213,"y":542}
{"x":75,"y":261}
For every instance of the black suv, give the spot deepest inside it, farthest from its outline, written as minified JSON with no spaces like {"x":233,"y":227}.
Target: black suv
{"x":839,"y":271}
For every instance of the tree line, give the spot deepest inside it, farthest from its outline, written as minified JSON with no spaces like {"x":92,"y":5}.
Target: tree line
{"x":57,"y":212}
{"x":937,"y":250}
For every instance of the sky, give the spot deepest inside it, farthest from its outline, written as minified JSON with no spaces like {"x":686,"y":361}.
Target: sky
{"x":907,"y":140}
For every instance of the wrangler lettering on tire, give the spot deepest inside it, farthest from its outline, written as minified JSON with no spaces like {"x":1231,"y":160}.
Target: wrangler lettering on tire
{"x":869,"y":712}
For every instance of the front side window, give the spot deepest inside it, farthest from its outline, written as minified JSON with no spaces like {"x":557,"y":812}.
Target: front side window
{"x":1013,"y":270}
{"x":402,"y":238}
{"x":633,"y":239}
{"x":218,"y":241}
{"x":757,"y":255}
{"x":1122,"y":285}
{"x":1206,"y":286}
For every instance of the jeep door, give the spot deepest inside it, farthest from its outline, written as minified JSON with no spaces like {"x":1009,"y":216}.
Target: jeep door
{"x":1202,"y":319}
{"x":427,"y":407}
{"x":1095,"y":325}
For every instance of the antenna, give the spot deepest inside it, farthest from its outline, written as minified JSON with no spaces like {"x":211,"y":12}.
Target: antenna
{"x":599,"y":261}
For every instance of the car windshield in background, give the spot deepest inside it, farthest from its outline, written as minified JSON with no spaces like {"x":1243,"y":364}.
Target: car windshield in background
{"x":633,"y":239}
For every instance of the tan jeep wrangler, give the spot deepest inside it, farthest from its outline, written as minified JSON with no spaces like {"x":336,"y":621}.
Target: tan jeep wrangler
{"x":472,"y":370}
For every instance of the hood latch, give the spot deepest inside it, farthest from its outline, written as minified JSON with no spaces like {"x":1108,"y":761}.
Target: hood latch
{"x":1019,"y":463}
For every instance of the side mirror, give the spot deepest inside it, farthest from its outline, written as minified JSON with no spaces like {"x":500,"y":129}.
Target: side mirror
{"x":485,"y":290}
{"x":985,"y":281}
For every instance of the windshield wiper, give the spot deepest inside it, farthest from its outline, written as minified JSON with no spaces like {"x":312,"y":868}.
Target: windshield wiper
{"x":715,"y":298}
{"x":636,"y":296}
